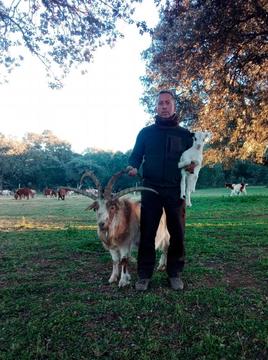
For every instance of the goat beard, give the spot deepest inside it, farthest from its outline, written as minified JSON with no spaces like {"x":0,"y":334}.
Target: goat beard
{"x":104,"y":237}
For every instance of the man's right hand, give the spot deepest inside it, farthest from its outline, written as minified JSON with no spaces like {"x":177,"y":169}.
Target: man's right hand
{"x":190,"y":167}
{"x":132,"y":171}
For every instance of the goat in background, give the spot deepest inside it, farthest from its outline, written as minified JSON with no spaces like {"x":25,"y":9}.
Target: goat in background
{"x":237,"y":189}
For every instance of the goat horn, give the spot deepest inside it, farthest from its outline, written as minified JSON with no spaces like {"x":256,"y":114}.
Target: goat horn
{"x":109,"y":187}
{"x":132,"y":189}
{"x":82,"y":192}
{"x":94,"y":179}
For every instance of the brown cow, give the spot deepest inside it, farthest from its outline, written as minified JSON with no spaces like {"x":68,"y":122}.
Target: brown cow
{"x":23,"y":193}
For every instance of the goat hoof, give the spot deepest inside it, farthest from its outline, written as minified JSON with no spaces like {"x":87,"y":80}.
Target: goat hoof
{"x":161,"y":268}
{"x":123,"y":283}
{"x":112,"y":279}
{"x":128,"y":277}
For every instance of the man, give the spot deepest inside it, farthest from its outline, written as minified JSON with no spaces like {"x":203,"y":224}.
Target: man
{"x":158,"y":148}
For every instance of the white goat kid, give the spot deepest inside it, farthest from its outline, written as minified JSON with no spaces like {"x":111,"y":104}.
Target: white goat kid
{"x":195,"y":155}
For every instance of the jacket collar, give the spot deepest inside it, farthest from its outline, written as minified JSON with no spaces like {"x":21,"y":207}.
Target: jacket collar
{"x":172,"y":121}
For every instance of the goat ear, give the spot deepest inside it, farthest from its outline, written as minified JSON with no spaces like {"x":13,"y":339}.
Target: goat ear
{"x":93,"y":206}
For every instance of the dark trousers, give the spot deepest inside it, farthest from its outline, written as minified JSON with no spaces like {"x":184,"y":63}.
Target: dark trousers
{"x":151,"y":211}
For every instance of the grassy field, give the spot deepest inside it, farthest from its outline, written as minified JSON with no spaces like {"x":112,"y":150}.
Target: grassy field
{"x":56,"y":302}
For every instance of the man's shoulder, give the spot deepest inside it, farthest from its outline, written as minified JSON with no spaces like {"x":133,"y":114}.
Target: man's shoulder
{"x":184,"y":130}
{"x":148,"y":128}
{"x":181,"y":131}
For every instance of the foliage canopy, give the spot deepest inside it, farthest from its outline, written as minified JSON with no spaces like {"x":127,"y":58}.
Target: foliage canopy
{"x":59,"y":32}
{"x":214,"y":54}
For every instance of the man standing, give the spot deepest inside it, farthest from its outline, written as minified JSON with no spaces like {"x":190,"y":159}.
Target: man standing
{"x":158,"y":148}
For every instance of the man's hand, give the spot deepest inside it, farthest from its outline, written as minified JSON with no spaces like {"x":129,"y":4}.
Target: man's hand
{"x":190,"y":167}
{"x":132,"y":171}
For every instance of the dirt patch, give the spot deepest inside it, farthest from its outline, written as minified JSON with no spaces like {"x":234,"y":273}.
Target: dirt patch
{"x":233,"y":276}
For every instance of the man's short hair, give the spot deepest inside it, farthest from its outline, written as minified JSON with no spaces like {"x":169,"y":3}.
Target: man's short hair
{"x":171,"y":93}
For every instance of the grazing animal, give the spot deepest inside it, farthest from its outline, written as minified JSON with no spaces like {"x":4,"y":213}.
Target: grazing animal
{"x":237,"y":189}
{"x":23,"y":193}
{"x":33,"y":192}
{"x":53,"y":193}
{"x":62,"y":192}
{"x":195,"y":155}
{"x":47,"y":192}
{"x":6,"y":192}
{"x":118,"y":223}
{"x":50,"y":192}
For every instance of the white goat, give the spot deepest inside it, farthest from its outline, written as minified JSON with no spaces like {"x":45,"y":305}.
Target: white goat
{"x":118,"y":223}
{"x":6,"y":192}
{"x":237,"y":189}
{"x":195,"y":155}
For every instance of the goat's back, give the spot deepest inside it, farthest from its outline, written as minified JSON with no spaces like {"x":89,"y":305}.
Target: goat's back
{"x":162,"y":234}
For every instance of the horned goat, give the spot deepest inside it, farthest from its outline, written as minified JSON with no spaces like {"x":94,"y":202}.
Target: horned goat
{"x":118,"y":221}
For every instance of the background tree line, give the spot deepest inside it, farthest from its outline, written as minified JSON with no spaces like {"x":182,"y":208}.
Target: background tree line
{"x":43,"y":160}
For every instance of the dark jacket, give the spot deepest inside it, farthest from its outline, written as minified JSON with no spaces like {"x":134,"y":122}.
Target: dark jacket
{"x":158,"y":149}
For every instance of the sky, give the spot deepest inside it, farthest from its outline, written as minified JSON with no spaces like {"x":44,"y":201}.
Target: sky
{"x":100,"y":109}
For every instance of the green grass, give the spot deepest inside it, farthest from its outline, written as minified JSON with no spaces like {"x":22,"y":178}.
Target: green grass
{"x":56,"y":302}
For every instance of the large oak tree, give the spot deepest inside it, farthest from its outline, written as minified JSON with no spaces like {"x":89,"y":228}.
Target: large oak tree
{"x":59,"y":32}
{"x":214,"y":53}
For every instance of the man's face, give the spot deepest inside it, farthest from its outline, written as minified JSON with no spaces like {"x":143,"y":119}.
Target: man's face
{"x":165,"y":106}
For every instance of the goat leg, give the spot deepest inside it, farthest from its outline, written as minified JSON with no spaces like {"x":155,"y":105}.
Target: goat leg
{"x":115,"y":273}
{"x":183,"y":184}
{"x":162,"y":261}
{"x":125,"y":276}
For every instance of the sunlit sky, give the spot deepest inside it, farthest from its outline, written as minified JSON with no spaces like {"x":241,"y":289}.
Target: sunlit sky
{"x":100,"y":109}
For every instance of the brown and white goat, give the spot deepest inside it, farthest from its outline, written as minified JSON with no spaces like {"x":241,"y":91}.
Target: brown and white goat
{"x":50,"y":192}
{"x":237,"y":189}
{"x":118,"y":221}
{"x":23,"y":193}
{"x":62,"y":192}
